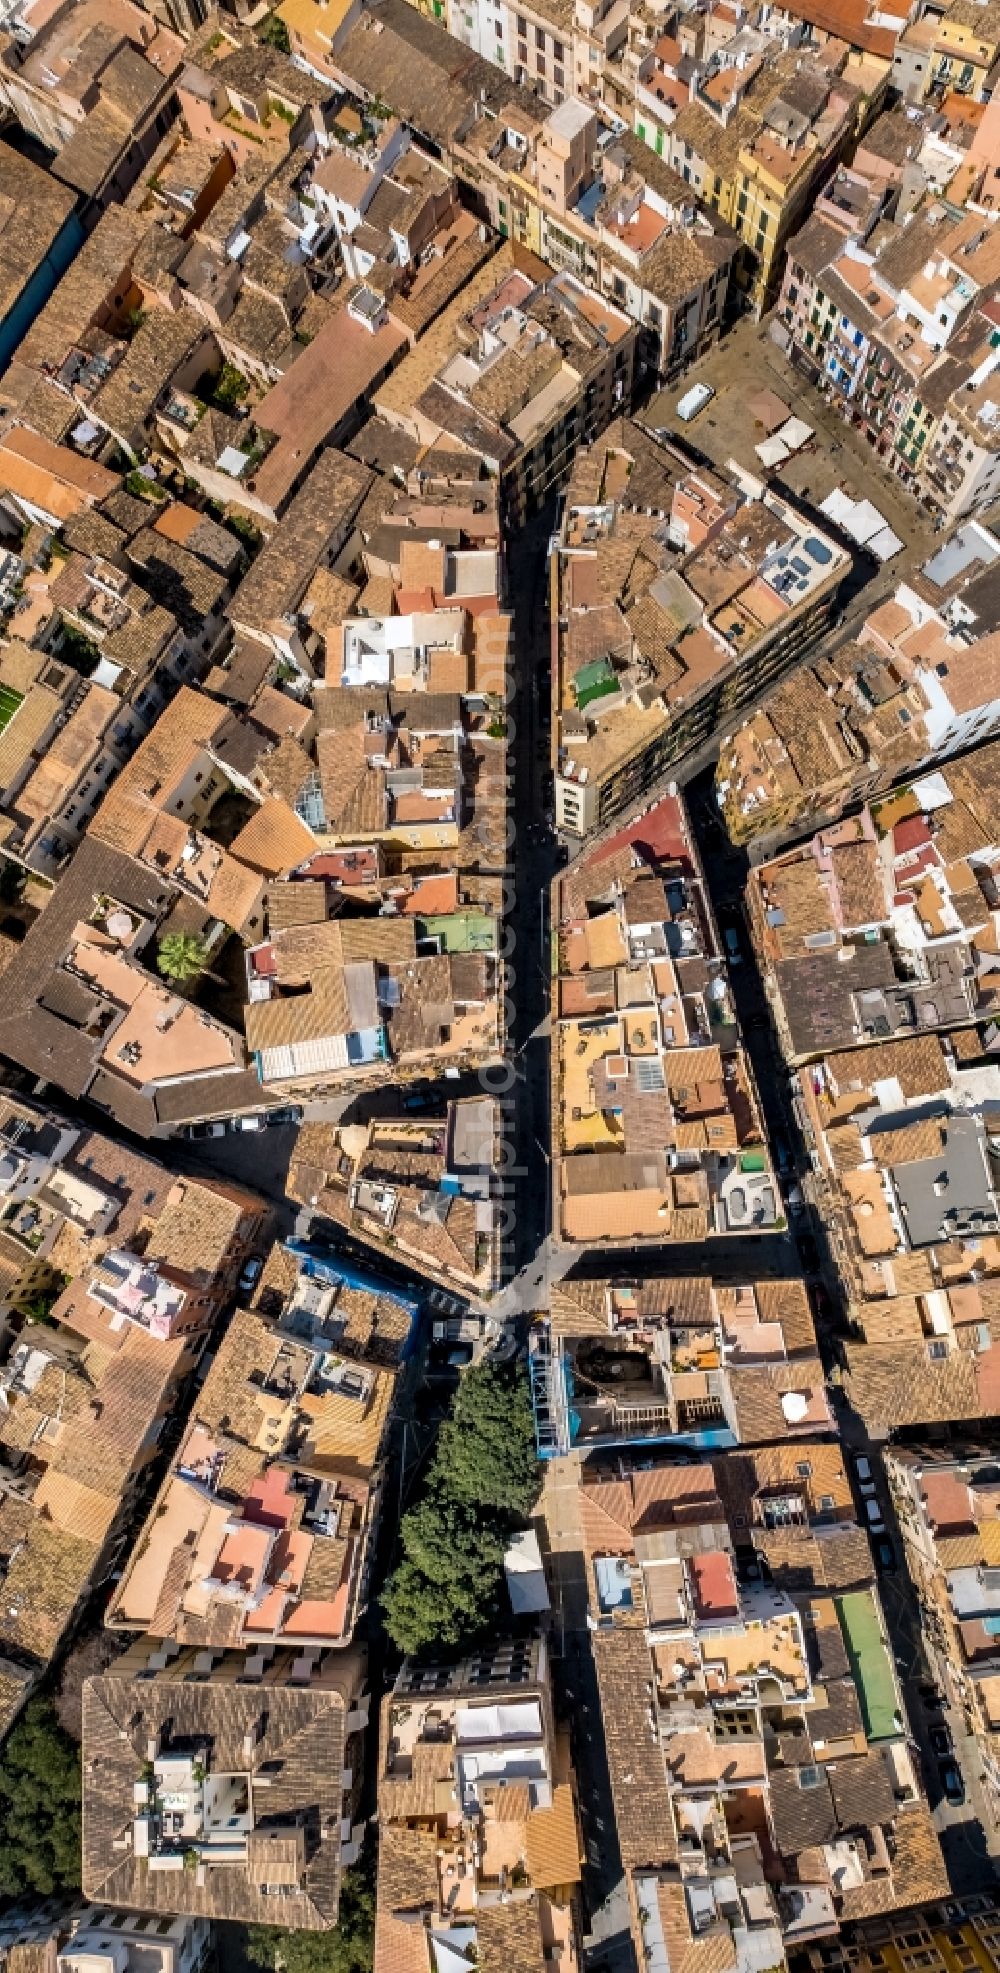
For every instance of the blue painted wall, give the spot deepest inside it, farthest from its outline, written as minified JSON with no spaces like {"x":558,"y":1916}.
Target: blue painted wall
{"x":35,"y":294}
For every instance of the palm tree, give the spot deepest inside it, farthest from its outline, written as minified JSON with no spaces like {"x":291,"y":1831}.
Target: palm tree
{"x":182,"y":957}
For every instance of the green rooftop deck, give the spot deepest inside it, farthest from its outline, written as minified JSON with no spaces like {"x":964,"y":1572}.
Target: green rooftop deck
{"x":594,"y":681}
{"x":871,"y":1667}
{"x":460,"y":931}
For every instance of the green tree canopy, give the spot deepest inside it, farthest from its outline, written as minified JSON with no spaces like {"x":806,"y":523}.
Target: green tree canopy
{"x":447,"y":1588}
{"x":482,"y":1482}
{"x":181,"y":956}
{"x":347,"y":1949}
{"x":487,"y":1447}
{"x":39,"y":1806}
{"x":275,"y":33}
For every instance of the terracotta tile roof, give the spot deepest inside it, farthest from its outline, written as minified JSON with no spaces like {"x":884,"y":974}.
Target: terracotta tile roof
{"x":274,"y":840}
{"x":509,"y":1938}
{"x":552,"y":1843}
{"x":635,"y":1761}
{"x":296,"y":1733}
{"x":858,"y":876}
{"x":917,"y":1062}
{"x":895,"y":1384}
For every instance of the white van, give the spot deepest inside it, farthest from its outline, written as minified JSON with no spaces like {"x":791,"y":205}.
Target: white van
{"x":693,"y":401}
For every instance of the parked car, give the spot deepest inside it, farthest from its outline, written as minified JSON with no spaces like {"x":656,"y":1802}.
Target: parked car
{"x":782,"y":1151}
{"x":250,"y":1275}
{"x":733,"y":953}
{"x":930,"y":1697}
{"x":257,"y":1122}
{"x":875,"y":1522}
{"x":419,"y":1099}
{"x":290,"y":1114}
{"x":941,"y":1741}
{"x":863,"y":1469}
{"x":952,"y":1782}
{"x":693,"y":401}
{"x":206,"y":1130}
{"x":885,"y":1557}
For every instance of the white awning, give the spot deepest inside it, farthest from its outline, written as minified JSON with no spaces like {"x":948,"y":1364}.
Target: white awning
{"x":865,"y":521}
{"x":772,"y":451}
{"x":839,"y":506}
{"x":795,"y":433}
{"x":884,"y":544}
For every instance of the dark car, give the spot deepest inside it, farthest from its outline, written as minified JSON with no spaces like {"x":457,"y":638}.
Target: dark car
{"x":885,"y":1557}
{"x":930,"y":1697}
{"x":952,"y":1783}
{"x":291,"y":1114}
{"x":941,"y":1741}
{"x":782,"y":1153}
{"x":419,"y":1099}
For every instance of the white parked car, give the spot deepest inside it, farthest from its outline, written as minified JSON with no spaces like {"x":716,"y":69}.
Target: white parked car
{"x":693,"y":401}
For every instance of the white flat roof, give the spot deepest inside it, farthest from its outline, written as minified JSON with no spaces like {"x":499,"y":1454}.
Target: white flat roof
{"x":570,"y":117}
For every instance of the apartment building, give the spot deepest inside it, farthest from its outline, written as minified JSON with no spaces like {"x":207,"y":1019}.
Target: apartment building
{"x":883,"y":924}
{"x":915,"y":686}
{"x":900,"y":1136}
{"x":311,"y":534}
{"x":216,"y":1792}
{"x":679,"y":1362}
{"x":946,"y":1505}
{"x":520,"y":370}
{"x":260,"y":1537}
{"x":597,"y":204}
{"x":656,"y":644}
{"x":67,"y":1491}
{"x":967,"y":49}
{"x":755,"y":141}
{"x":763,"y":1785}
{"x":106,"y":1235}
{"x":85,"y":1003}
{"x":425,"y":1188}
{"x":93,"y":84}
{"x":93,"y":1373}
{"x":479,"y":1842}
{"x":657,"y":1133}
{"x":897,"y":331}
{"x":601,"y":206}
{"x":959,"y":1933}
{"x":359,"y":1003}
{"x":75,"y":1936}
